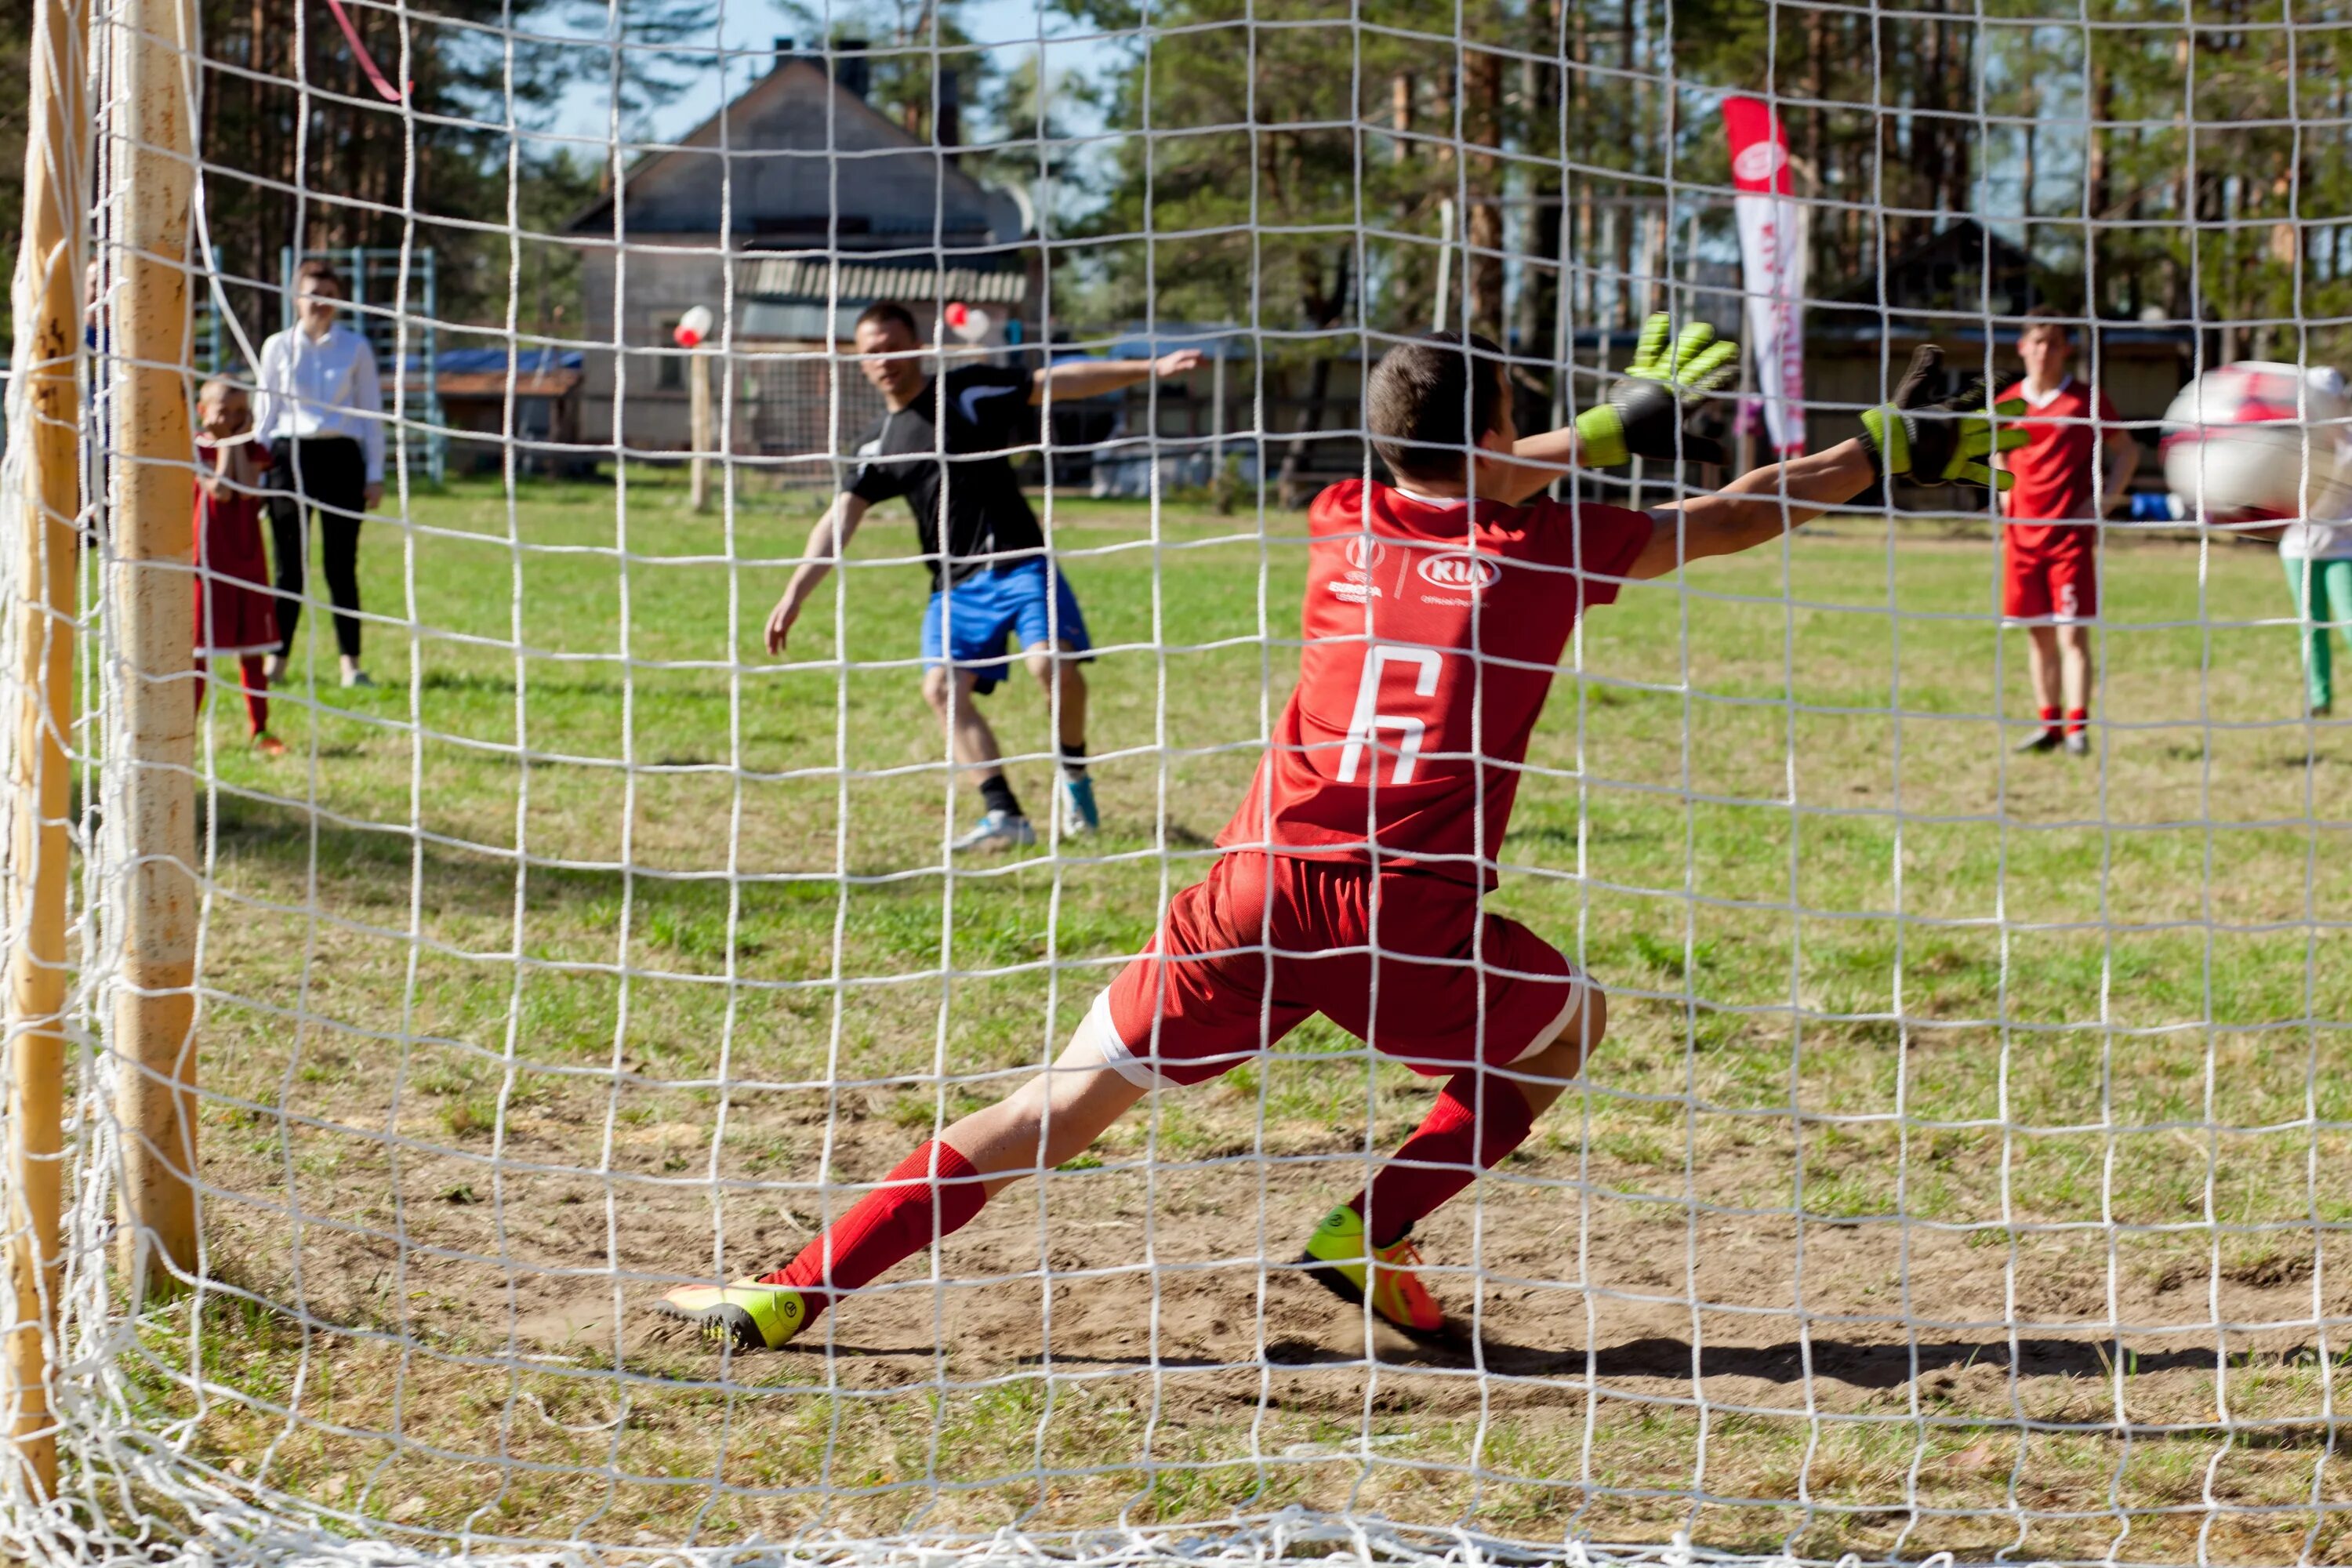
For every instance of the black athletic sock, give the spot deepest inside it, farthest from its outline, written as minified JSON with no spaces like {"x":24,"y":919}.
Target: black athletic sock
{"x":998,"y":796}
{"x":1074,"y":758}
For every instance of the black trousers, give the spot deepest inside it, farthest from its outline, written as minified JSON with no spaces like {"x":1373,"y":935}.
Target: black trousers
{"x":330,"y":475}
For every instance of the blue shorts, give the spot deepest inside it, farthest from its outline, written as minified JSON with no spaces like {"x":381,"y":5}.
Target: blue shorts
{"x":990,"y":606}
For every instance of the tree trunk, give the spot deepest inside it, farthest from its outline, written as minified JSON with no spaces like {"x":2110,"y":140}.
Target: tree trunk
{"x":1634,"y":141}
{"x":1483,"y":225}
{"x":1816,"y":133}
{"x":1960,"y":166}
{"x":1323,"y":307}
{"x":1292,"y":484}
{"x":1927,"y":135}
{"x":1543,"y":293}
{"x":1580,"y":110}
{"x":2030,"y":169}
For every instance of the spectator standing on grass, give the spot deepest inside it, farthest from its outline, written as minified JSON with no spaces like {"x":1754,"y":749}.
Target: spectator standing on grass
{"x":2050,"y":536}
{"x":321,"y":411}
{"x":2317,"y":555}
{"x":236,"y":617}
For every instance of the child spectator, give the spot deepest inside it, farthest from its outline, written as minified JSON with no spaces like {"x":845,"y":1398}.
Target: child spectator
{"x":236,"y":616}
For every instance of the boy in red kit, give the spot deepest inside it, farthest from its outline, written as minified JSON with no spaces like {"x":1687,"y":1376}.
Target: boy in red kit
{"x":236,"y":615}
{"x":1353,"y":874}
{"x":2050,"y":544}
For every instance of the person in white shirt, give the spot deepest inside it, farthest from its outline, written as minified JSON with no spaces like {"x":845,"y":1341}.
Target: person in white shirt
{"x":2317,"y":554}
{"x":320,"y":406}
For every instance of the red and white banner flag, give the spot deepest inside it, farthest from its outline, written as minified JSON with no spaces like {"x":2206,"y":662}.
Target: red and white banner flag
{"x":1773,"y":249}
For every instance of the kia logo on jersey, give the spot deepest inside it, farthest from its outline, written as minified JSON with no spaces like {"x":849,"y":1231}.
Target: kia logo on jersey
{"x":1364,"y":552}
{"x":1460,"y":571}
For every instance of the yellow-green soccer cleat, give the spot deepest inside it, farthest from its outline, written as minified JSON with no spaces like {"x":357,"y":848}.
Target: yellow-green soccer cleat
{"x":755,"y":1316}
{"x":1397,"y":1292}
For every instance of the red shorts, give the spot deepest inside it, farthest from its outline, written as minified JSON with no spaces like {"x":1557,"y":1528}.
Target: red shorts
{"x":2054,"y":582}
{"x":1268,"y":941}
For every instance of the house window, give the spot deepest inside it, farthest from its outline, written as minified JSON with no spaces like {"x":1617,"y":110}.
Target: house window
{"x":669,"y":374}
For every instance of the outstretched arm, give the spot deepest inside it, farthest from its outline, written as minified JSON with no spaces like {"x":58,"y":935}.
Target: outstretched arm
{"x":1934,"y":440}
{"x":827,"y":540}
{"x":1093,"y":377}
{"x":1756,"y":507}
{"x":1533,"y":463}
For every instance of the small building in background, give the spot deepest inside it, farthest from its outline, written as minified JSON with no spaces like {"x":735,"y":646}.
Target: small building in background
{"x":787,"y":212}
{"x":544,"y":383}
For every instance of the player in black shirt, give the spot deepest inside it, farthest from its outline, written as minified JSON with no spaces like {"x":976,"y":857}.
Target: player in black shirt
{"x":945,"y":445}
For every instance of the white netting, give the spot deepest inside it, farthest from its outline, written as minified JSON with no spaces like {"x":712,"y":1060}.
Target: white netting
{"x":1959,"y":1171}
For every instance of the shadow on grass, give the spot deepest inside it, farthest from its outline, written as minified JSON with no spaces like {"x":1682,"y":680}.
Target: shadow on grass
{"x":458,"y":880}
{"x":472,"y":682}
{"x":688,"y":915}
{"x":1871,"y":1366}
{"x":1858,"y":1365}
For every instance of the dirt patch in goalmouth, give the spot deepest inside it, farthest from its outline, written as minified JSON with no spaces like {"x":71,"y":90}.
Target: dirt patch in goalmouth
{"x":1137,"y":1342}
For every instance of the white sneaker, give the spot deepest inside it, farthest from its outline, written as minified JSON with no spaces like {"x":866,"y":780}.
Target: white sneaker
{"x":996,"y":832}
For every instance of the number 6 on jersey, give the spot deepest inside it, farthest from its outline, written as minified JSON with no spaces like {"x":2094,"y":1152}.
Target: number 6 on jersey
{"x":1368,"y":720}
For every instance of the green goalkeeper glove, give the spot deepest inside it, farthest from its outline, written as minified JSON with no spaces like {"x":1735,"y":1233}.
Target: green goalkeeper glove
{"x":1642,"y":413}
{"x":1943,"y":441}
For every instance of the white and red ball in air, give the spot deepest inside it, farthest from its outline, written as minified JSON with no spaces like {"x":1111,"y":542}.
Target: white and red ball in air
{"x":970,"y":323}
{"x":693,"y":327}
{"x":2255,"y":441}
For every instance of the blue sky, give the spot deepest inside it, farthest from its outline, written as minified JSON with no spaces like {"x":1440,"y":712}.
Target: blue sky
{"x":754,"y":25}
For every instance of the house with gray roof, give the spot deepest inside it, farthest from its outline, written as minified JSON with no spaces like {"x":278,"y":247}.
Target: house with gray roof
{"x":788,"y":212}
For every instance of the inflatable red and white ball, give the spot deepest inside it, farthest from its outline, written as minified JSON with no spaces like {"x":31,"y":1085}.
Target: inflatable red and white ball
{"x":693,"y":327}
{"x":2253,"y":440}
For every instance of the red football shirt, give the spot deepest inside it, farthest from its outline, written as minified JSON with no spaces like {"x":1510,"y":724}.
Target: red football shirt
{"x":2057,"y":469}
{"x":1431,"y":643}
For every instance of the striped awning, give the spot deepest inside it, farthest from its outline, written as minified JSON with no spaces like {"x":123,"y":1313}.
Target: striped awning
{"x":820,"y":278}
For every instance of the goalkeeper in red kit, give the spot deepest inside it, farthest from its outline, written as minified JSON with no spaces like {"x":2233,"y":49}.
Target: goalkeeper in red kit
{"x":1352,"y":877}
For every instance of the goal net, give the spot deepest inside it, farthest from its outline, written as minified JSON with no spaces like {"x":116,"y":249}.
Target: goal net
{"x":1958,"y":1172}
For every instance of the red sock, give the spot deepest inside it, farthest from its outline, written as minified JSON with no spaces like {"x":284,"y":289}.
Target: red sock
{"x":887,"y":1225}
{"x":2076,"y":719}
{"x":1435,"y":1163}
{"x":256,"y":685}
{"x":2050,"y":718}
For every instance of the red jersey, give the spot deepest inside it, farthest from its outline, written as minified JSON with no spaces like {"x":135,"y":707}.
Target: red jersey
{"x":2057,"y":469}
{"x":237,"y":612}
{"x":1431,"y":643}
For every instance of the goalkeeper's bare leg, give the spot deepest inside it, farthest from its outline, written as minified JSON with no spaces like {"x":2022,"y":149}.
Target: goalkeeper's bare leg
{"x":1057,"y":1115}
{"x":933,"y":1192}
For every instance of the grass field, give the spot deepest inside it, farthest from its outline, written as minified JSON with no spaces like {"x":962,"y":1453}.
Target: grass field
{"x":1959,"y":1173}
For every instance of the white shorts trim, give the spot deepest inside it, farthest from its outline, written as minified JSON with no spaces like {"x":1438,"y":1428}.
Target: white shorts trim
{"x":1097,"y":1030}
{"x":1577,"y":991}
